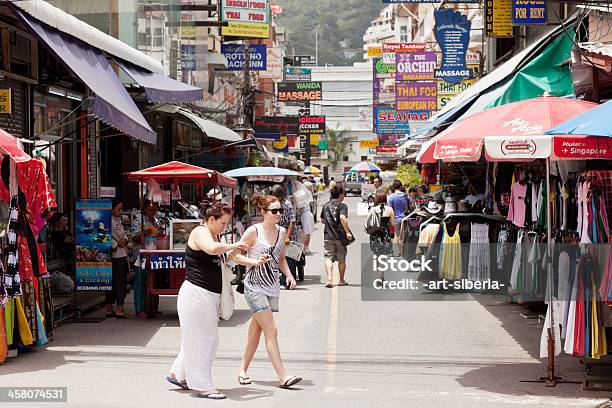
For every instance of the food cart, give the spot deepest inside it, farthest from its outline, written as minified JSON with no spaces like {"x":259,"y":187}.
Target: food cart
{"x":260,"y":180}
{"x":165,"y":265}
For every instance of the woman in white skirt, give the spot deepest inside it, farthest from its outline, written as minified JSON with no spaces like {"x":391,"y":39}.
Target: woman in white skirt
{"x":265,"y":261}
{"x":198,"y":302}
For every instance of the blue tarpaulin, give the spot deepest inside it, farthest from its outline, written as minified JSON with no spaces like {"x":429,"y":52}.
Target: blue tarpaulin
{"x":594,"y":122}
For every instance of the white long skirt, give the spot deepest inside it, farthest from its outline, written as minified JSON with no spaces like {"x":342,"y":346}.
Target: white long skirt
{"x":198,"y":311}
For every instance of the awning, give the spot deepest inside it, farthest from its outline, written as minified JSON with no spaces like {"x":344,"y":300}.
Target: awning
{"x":208,"y":127}
{"x":112,"y":104}
{"x":176,"y":171}
{"x":161,"y":89}
{"x":67,"y":24}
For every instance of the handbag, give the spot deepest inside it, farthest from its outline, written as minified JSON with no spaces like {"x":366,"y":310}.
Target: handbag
{"x":226,"y":302}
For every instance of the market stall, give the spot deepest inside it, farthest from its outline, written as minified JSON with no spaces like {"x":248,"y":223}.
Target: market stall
{"x":548,"y":193}
{"x":163,"y":255}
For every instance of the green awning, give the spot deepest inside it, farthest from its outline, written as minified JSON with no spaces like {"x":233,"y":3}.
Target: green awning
{"x":548,"y":72}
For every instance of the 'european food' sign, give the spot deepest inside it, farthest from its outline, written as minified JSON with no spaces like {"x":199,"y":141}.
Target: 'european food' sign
{"x":528,"y":11}
{"x":299,"y":91}
{"x":417,"y":96}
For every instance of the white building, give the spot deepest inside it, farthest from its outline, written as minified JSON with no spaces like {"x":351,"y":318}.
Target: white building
{"x":396,"y":23}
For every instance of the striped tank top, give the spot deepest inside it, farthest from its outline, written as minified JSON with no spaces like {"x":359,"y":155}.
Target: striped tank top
{"x":265,"y":278}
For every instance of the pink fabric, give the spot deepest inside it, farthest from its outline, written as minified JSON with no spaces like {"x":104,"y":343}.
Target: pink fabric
{"x":516,"y":211}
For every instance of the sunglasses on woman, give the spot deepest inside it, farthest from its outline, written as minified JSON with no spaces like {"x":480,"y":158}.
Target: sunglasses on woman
{"x":276,"y":210}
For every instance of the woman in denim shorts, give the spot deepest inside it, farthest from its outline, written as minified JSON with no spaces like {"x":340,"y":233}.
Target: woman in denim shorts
{"x":265,"y":261}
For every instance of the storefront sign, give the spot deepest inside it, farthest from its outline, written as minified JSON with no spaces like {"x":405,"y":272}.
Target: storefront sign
{"x":299,"y":91}
{"x":234,"y":53}
{"x":453,"y":35}
{"x":164,"y":260}
{"x":582,"y":147}
{"x":428,"y":1}
{"x":108,"y":192}
{"x":386,"y":150}
{"x":498,"y":18}
{"x":281,"y":145}
{"x":415,"y":66}
{"x":447,"y":91}
{"x":417,"y":96}
{"x":375,"y":51}
{"x":274,"y":61}
{"x":368,"y":144}
{"x":93,"y":236}
{"x":382,"y":70}
{"x":389,"y":120}
{"x":304,"y":61}
{"x":188,"y":58}
{"x":276,"y":125}
{"x":298,"y":74}
{"x":5,"y":101}
{"x":312,"y":125}
{"x":390,"y":49}
{"x":528,"y":12}
{"x":246,"y":30}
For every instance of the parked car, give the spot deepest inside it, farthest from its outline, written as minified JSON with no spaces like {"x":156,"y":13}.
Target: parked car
{"x":353,"y":182}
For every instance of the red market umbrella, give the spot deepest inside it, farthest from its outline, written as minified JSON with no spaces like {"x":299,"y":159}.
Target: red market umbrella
{"x":176,"y":171}
{"x":524,"y":121}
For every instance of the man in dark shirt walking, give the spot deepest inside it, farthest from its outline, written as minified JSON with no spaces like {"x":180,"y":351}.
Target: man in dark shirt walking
{"x":335,"y":217}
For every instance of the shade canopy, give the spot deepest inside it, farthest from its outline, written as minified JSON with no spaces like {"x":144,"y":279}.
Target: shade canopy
{"x":312,"y":170}
{"x":364,"y":167}
{"x":176,"y":171}
{"x":463,"y":141}
{"x":260,"y":171}
{"x":594,"y":122}
{"x":10,"y":145}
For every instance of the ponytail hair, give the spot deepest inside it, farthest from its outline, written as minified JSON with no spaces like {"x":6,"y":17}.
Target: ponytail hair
{"x":263,"y":201}
{"x":214,"y":209}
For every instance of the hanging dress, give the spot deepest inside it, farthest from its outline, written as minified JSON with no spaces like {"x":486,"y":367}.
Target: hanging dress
{"x":450,"y":260}
{"x":479,"y":258}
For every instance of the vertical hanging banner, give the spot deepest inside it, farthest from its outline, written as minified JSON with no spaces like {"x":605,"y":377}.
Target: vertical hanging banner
{"x":452,"y":32}
{"x":498,"y":18}
{"x":94,"y":270}
{"x":528,"y":12}
{"x":415,"y":66}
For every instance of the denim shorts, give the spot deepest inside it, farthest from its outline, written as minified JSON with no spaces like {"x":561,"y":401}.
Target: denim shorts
{"x":259,"y":302}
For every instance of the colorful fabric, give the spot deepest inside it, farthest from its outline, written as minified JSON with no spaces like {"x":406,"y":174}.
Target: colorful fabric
{"x":25,"y":334}
{"x":450,"y":259}
{"x":11,"y":279}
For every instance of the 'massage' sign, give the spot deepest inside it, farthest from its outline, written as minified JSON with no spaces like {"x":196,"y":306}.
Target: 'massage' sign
{"x":299,"y":91}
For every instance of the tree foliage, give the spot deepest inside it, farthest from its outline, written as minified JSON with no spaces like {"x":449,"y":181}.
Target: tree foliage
{"x":341,"y":25}
{"x":338,"y":144}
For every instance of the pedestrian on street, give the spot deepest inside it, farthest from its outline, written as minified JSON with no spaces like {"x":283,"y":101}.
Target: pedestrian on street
{"x":287,"y":221}
{"x":119,"y":245}
{"x":381,"y":241}
{"x":265,"y":261}
{"x":400,"y":202}
{"x":198,"y":302}
{"x":334,"y":215}
{"x":332,"y":183}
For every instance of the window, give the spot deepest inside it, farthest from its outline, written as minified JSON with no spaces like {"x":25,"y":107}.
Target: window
{"x":345,"y":158}
{"x":403,"y":34}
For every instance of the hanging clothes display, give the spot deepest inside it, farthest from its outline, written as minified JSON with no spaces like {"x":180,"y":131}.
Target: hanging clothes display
{"x":516,"y":211}
{"x":450,"y":256}
{"x":480,"y":256}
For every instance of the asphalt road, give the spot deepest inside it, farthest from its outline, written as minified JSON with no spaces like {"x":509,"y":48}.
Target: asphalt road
{"x":351,"y":353}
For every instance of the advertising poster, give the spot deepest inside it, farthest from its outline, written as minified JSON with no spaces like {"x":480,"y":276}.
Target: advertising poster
{"x":389,"y":120}
{"x":188,"y":57}
{"x":246,"y":18}
{"x":415,"y":66}
{"x":417,"y":96}
{"x":304,"y":61}
{"x":93,"y":235}
{"x":447,"y":91}
{"x":274,"y":61}
{"x":298,"y":74}
{"x":234,"y":53}
{"x":452,"y":32}
{"x":498,"y":18}
{"x":276,"y":125}
{"x":387,"y":139}
{"x":281,"y":145}
{"x":390,"y":49}
{"x":312,"y":125}
{"x":300,"y":91}
{"x":528,"y":12}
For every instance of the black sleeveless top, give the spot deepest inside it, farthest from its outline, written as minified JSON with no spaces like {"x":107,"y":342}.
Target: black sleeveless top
{"x":204,"y":270}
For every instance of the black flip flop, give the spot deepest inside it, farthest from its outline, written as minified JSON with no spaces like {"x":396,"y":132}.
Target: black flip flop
{"x":289,"y":382}
{"x":109,"y":315}
{"x":176,"y":382}
{"x":244,"y":380}
{"x":213,"y":396}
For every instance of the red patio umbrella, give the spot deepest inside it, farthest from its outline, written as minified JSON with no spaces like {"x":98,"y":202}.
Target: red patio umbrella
{"x":10,"y":145}
{"x":463,"y":141}
{"x":176,"y":171}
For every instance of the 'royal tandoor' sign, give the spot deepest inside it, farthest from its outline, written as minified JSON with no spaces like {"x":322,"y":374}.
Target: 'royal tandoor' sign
{"x":299,"y":91}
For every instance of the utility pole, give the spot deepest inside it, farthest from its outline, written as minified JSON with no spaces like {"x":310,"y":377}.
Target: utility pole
{"x":317,"y":47}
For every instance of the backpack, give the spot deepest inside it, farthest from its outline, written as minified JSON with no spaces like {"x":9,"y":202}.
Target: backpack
{"x":374,"y":221}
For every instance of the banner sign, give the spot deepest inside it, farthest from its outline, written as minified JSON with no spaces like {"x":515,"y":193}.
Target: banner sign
{"x":452,"y":32}
{"x":386,"y":150}
{"x":305,"y":149}
{"x":277,"y":125}
{"x":246,"y":30}
{"x":249,"y":11}
{"x":528,"y":12}
{"x":5,"y":101}
{"x":299,"y":91}
{"x":234,"y":53}
{"x":93,"y":240}
{"x":382,"y":70}
{"x":375,"y":51}
{"x":164,"y":260}
{"x":417,"y":96}
{"x":188,"y":58}
{"x":368,"y":144}
{"x":387,"y":139}
{"x":389,"y":120}
{"x":298,"y":74}
{"x":447,"y":91}
{"x":498,"y":18}
{"x":582,"y":147}
{"x":428,"y":1}
{"x":304,"y":61}
{"x":415,"y":66}
{"x":281,"y":145}
{"x":274,"y":61}
{"x":312,"y":125}
{"x":390,"y":49}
